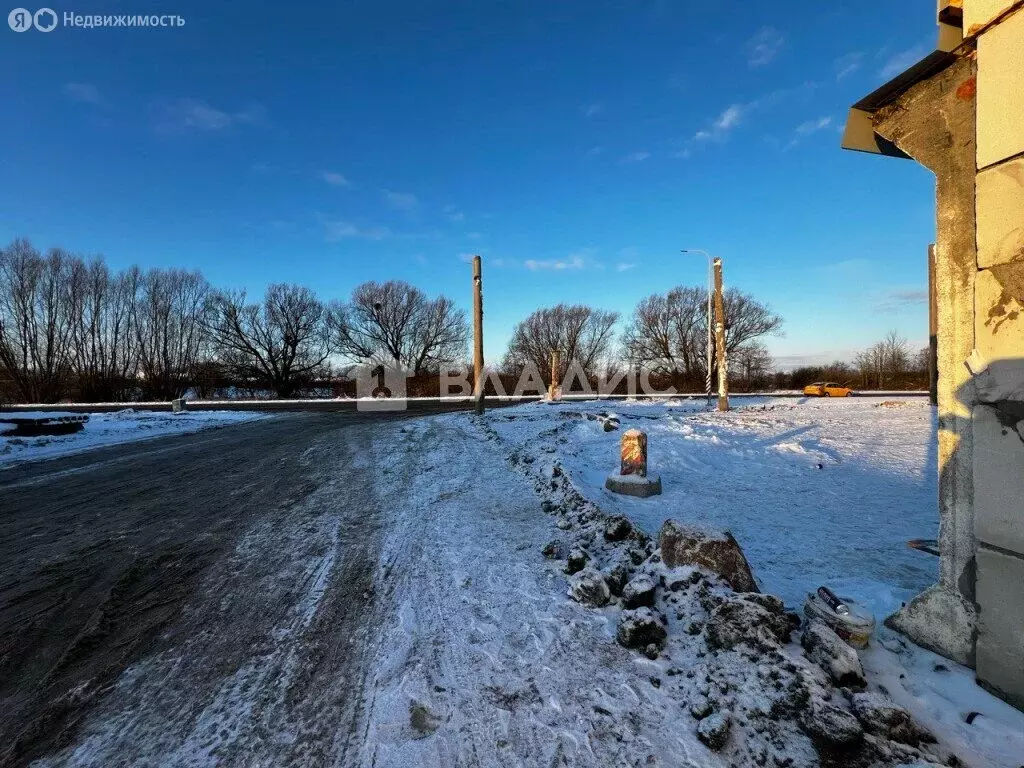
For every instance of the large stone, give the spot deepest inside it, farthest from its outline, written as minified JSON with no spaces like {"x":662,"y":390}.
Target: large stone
{"x":941,"y":621}
{"x":718,"y":552}
{"x":713,"y":731}
{"x":577,"y":561}
{"x":832,"y":725}
{"x":826,"y":649}
{"x":640,"y":628}
{"x":617,"y":528}
{"x":882,"y":717}
{"x":588,"y":587}
{"x":757,"y":620}
{"x":639,"y":593}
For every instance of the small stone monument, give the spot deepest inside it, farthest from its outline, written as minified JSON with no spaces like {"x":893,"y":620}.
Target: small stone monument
{"x":632,"y":478}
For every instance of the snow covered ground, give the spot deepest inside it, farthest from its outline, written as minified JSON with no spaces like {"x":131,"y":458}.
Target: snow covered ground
{"x":399,"y":612}
{"x":110,"y":429}
{"x":816,"y":492}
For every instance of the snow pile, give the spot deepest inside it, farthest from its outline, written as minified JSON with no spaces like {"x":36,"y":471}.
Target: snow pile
{"x":816,"y":492}
{"x":113,"y":428}
{"x":726,"y":657}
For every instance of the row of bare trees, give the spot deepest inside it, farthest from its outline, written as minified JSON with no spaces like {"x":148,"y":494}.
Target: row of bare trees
{"x":72,"y":328}
{"x":889,"y":364}
{"x":665,"y":336}
{"x":69,"y":327}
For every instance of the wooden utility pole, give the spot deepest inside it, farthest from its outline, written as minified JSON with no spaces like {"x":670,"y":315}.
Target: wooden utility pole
{"x":478,"y":337}
{"x":555,"y":391}
{"x":933,"y":331}
{"x":720,"y":354}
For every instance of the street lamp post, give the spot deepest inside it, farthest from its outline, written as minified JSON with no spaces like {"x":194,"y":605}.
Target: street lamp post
{"x":710,"y":341}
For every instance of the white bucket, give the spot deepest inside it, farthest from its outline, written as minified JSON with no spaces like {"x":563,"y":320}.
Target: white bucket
{"x":855,"y":627}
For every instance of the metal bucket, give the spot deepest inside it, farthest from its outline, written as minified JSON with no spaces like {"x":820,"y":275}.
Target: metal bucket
{"x":855,"y":627}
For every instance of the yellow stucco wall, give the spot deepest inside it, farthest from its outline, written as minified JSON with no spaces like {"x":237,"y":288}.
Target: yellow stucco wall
{"x":1001,"y":91}
{"x":979,"y":12}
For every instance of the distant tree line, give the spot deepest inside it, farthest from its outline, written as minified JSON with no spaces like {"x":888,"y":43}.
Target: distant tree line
{"x":891,"y":364}
{"x":71,"y":328}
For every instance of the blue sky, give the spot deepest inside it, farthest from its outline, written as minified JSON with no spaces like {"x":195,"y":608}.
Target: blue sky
{"x":577,"y":146}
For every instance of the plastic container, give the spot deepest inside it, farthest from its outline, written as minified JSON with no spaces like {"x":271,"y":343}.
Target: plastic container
{"x":854,"y":627}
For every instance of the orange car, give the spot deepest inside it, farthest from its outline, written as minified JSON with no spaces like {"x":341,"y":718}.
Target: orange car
{"x":826,"y":389}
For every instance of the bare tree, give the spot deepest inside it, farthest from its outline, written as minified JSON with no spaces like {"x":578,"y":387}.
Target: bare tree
{"x":169,"y":328}
{"x":397,"y":323}
{"x":667,"y":333}
{"x":104,"y":347}
{"x":581,"y":334}
{"x":752,"y":365}
{"x":35,"y":324}
{"x":887,"y":363}
{"x":281,"y":343}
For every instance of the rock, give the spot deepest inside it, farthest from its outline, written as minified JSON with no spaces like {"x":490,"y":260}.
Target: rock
{"x":882,"y":717}
{"x":830,"y":724}
{"x":758,"y":620}
{"x":616,"y":579}
{"x":610,"y":425}
{"x":639,"y":593}
{"x":718,"y":552}
{"x":577,"y":561}
{"x":617,"y":528}
{"x":652,"y":651}
{"x":713,"y":731}
{"x":554,"y":549}
{"x":700,"y":707}
{"x":588,"y":587}
{"x":548,"y":507}
{"x":639,"y":628}
{"x":826,"y":649}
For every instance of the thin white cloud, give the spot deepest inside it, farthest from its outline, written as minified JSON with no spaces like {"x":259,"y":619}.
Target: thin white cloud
{"x":623,"y":266}
{"x":573,"y":261}
{"x":848,"y":64}
{"x":636,"y":157}
{"x":764,"y":46}
{"x":195,"y":115}
{"x":453,"y":214}
{"x":403,"y":201}
{"x":592,"y":110}
{"x":86,"y":93}
{"x":334,"y":178}
{"x":335,"y":231}
{"x":808,"y":128}
{"x":813,"y":126}
{"x":902,"y":61}
{"x":730,"y":117}
{"x":473,"y":235}
{"x":897,"y":300}
{"x":595,"y":151}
